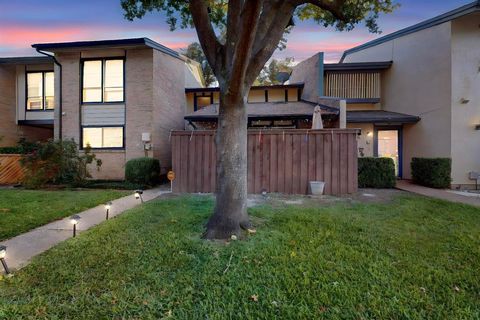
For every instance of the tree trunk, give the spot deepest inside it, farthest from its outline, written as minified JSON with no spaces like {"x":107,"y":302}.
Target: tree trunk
{"x":230,"y":214}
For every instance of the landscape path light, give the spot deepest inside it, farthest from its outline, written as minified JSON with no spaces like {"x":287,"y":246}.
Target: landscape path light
{"x":138,"y":195}
{"x":3,"y":253}
{"x":74,"y":220}
{"x":108,"y":205}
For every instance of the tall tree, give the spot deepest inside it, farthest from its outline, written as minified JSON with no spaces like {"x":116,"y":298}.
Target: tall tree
{"x":253,"y":29}
{"x":275,"y":72}
{"x":194,"y":51}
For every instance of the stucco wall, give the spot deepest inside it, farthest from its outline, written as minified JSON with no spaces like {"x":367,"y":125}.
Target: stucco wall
{"x":465,"y":85}
{"x":418,"y":83}
{"x":169,"y":104}
{"x":307,"y":72}
{"x":365,"y":139}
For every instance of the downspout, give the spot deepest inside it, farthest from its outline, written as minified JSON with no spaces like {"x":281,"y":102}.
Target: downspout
{"x":60,"y":93}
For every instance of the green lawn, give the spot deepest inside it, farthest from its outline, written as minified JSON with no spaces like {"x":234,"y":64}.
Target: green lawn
{"x":23,"y":210}
{"x":415,"y":258}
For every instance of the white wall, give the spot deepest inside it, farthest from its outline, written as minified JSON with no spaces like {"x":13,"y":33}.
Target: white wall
{"x":465,"y":85}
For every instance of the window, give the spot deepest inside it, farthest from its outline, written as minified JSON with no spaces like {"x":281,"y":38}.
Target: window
{"x":40,"y":90}
{"x":103,"y":80}
{"x":102,"y":137}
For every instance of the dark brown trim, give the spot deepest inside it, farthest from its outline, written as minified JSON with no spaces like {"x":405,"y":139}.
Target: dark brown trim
{"x":276,"y":86}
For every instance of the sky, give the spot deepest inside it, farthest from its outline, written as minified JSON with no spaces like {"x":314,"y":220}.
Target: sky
{"x":25,"y":22}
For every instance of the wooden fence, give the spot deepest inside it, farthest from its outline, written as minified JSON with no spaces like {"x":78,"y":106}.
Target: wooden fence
{"x":11,"y":171}
{"x":278,"y":160}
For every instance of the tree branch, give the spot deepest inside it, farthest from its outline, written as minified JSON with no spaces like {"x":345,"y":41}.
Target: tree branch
{"x":335,"y":7}
{"x":212,"y":48}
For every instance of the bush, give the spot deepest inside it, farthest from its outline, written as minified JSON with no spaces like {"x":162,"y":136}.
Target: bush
{"x":23,"y":147}
{"x":432,"y":172}
{"x":143,"y":171}
{"x":376,"y":173}
{"x":109,"y":184}
{"x":57,"y":162}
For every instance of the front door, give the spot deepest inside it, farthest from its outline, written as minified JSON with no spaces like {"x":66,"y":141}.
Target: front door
{"x":388,"y":143}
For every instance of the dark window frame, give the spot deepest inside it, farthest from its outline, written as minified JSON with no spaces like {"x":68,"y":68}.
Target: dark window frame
{"x":103,"y":60}
{"x":43,"y":72}
{"x":103,"y":126}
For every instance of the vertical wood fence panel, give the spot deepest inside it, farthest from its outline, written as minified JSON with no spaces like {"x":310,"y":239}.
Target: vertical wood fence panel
{"x":11,"y":171}
{"x":278,"y":160}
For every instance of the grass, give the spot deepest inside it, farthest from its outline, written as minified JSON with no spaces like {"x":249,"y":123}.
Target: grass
{"x":23,"y":210}
{"x":415,"y":258}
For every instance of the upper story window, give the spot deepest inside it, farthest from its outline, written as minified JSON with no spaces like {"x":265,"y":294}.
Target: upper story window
{"x":40,"y":90}
{"x":103,"y":81}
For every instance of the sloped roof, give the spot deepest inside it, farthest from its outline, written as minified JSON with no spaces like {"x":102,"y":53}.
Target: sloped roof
{"x":380,"y":116}
{"x":258,"y":110}
{"x":448,"y":16}
{"x":120,"y":43}
{"x":26,"y":60}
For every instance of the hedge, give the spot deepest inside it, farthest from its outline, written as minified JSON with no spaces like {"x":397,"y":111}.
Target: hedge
{"x":432,"y":172}
{"x":376,"y":173}
{"x":143,"y":171}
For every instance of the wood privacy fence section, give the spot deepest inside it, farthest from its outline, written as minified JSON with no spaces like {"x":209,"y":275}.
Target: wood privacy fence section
{"x":11,"y":171}
{"x":278,"y":160}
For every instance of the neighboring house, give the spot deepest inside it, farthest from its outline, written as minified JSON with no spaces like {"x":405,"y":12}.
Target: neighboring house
{"x":435,"y":75}
{"x":414,"y":93}
{"x":275,"y":106}
{"x":26,"y":99}
{"x":121,"y":97}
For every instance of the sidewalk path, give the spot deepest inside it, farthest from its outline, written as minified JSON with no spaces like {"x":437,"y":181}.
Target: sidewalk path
{"x":22,"y":248}
{"x":449,"y":195}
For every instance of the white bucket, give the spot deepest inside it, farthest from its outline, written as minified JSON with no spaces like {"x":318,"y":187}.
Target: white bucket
{"x":317,"y":187}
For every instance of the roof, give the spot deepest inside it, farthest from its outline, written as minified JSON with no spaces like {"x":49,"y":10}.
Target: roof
{"x":380,"y":116}
{"x":451,"y":15}
{"x":274,"y":86}
{"x":26,"y":60}
{"x":132,"y":42}
{"x":266,"y":110}
{"x":357,"y":66}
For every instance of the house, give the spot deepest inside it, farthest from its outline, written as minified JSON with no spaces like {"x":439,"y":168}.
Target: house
{"x":414,"y":93}
{"x":275,"y":106}
{"x":120,"y":97}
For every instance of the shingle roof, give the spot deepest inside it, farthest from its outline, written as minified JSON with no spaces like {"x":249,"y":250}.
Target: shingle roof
{"x":107,"y":43}
{"x":456,"y":13}
{"x":380,"y":116}
{"x":297,"y":109}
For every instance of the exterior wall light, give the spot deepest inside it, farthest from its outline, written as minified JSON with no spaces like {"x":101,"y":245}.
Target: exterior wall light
{"x":477,"y":127}
{"x":108,"y":205}
{"x":369,"y":133}
{"x":74,"y":220}
{"x":138,"y":195}
{"x":3,"y":253}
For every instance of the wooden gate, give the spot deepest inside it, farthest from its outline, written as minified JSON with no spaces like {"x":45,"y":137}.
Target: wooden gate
{"x":278,"y":160}
{"x":11,"y":171}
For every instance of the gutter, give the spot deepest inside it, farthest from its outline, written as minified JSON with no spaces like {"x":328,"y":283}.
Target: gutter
{"x":60,"y":93}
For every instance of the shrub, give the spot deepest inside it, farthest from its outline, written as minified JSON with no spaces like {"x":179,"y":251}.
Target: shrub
{"x":432,"y":172}
{"x":23,"y":147}
{"x":376,"y":173}
{"x":57,"y":162}
{"x":143,"y":171}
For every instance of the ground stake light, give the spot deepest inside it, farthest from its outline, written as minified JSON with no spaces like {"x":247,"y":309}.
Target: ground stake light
{"x":3,"y":253}
{"x":108,"y":205}
{"x":138,"y":195}
{"x":74,"y":220}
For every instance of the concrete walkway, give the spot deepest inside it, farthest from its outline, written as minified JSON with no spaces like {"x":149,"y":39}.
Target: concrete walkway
{"x":22,"y":248}
{"x":449,"y":195}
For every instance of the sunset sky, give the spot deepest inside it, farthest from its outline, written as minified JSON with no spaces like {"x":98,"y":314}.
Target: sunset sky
{"x":25,"y":22}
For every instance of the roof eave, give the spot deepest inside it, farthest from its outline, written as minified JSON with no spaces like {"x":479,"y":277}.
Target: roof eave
{"x":456,"y":13}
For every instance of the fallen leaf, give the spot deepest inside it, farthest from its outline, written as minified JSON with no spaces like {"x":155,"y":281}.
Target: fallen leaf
{"x":423,"y":289}
{"x":254,"y":298}
{"x":168,"y":313}
{"x":293,"y":254}
{"x":252,"y":231}
{"x":457,"y":289}
{"x":233,"y":237}
{"x":323,"y":309}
